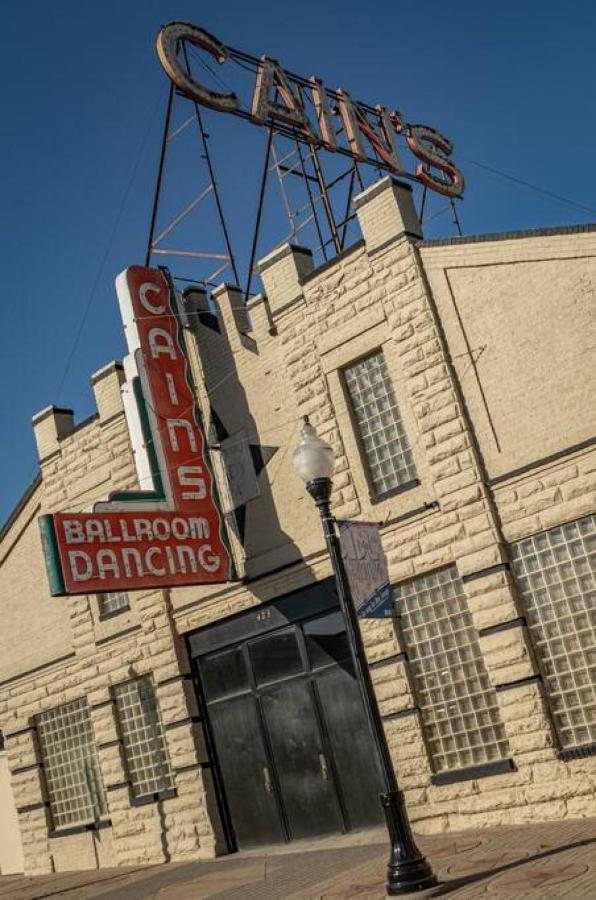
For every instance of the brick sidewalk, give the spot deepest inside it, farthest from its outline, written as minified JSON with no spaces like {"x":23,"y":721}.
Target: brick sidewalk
{"x":538,"y":861}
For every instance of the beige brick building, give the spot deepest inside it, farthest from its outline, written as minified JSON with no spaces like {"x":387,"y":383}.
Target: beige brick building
{"x":454,"y":380}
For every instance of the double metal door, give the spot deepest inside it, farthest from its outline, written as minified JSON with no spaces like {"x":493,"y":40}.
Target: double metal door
{"x":292,"y":746}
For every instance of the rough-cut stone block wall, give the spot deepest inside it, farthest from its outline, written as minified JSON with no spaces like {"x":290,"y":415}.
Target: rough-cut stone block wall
{"x":82,"y":466}
{"x":553,"y":494}
{"x":377,"y":295}
{"x":312,"y":324}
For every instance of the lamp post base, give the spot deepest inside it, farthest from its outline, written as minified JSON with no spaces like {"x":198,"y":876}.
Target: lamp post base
{"x":407,"y":869}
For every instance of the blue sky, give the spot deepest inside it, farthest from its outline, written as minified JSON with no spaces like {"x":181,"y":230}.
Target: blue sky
{"x":83,"y":101}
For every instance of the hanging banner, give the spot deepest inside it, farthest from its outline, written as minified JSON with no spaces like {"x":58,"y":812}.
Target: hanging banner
{"x":173,"y":534}
{"x":366,"y":568}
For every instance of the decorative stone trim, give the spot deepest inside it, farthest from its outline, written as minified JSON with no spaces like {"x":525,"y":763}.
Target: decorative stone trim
{"x":483,"y":573}
{"x":153,"y":798}
{"x":473,"y":772}
{"x":114,"y":366}
{"x":378,"y":188}
{"x":32,"y":807}
{"x":30,"y":768}
{"x":8,"y":735}
{"x":104,"y":422}
{"x":396,"y":658}
{"x":426,"y":507}
{"x":402,"y":714}
{"x":286,"y":250}
{"x":286,"y":306}
{"x":522,"y":682}
{"x":184,"y":676}
{"x":192,"y":768}
{"x":502,"y":626}
{"x":400,"y":489}
{"x":189,"y":720}
{"x":80,"y":425}
{"x":117,"y":634}
{"x":357,"y":245}
{"x":577,"y":752}
{"x":507,"y":235}
{"x":544,"y":461}
{"x":119,"y":786}
{"x":102,"y":705}
{"x":48,"y":665}
{"x":411,"y":235}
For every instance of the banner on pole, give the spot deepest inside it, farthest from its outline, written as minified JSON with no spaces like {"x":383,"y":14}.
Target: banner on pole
{"x":366,"y":568}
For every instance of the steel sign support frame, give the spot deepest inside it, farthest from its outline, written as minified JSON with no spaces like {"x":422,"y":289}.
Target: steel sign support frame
{"x":321,"y":218}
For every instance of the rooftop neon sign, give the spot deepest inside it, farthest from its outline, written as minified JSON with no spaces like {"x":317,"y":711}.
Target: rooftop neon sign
{"x":308,"y":111}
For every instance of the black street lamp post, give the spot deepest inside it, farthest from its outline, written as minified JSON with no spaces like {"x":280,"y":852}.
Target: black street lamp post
{"x":407,"y":869}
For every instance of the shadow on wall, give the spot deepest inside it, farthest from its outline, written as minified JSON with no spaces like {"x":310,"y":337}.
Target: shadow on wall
{"x":219,"y":337}
{"x":11,"y":850}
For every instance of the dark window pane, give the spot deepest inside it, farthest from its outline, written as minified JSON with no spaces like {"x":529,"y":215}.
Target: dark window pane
{"x":326,"y":640}
{"x":223,"y":674}
{"x":274,"y":657}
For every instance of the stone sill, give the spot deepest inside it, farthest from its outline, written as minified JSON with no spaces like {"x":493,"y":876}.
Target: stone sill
{"x":473,"y":772}
{"x":153,"y":798}
{"x":578,"y":752}
{"x":407,"y":486}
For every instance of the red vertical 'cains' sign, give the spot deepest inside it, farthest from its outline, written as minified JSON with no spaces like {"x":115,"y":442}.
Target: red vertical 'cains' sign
{"x":175,"y":534}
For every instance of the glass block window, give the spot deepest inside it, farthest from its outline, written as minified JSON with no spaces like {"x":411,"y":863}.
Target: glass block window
{"x":142,"y":737}
{"x":381,"y":430}
{"x":556,"y":575}
{"x":113,"y":602}
{"x":71,"y":768}
{"x":458,"y":704}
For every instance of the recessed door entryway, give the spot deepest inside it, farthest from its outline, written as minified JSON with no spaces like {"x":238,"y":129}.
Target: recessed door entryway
{"x":292,"y":750}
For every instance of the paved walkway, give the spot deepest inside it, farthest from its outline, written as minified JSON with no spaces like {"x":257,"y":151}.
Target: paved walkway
{"x":538,"y":861}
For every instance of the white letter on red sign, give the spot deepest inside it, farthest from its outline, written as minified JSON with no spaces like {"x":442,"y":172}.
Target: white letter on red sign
{"x":149,"y":288}
{"x":190,"y":476}
{"x":167,"y":347}
{"x":173,"y":424}
{"x":73,"y":558}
